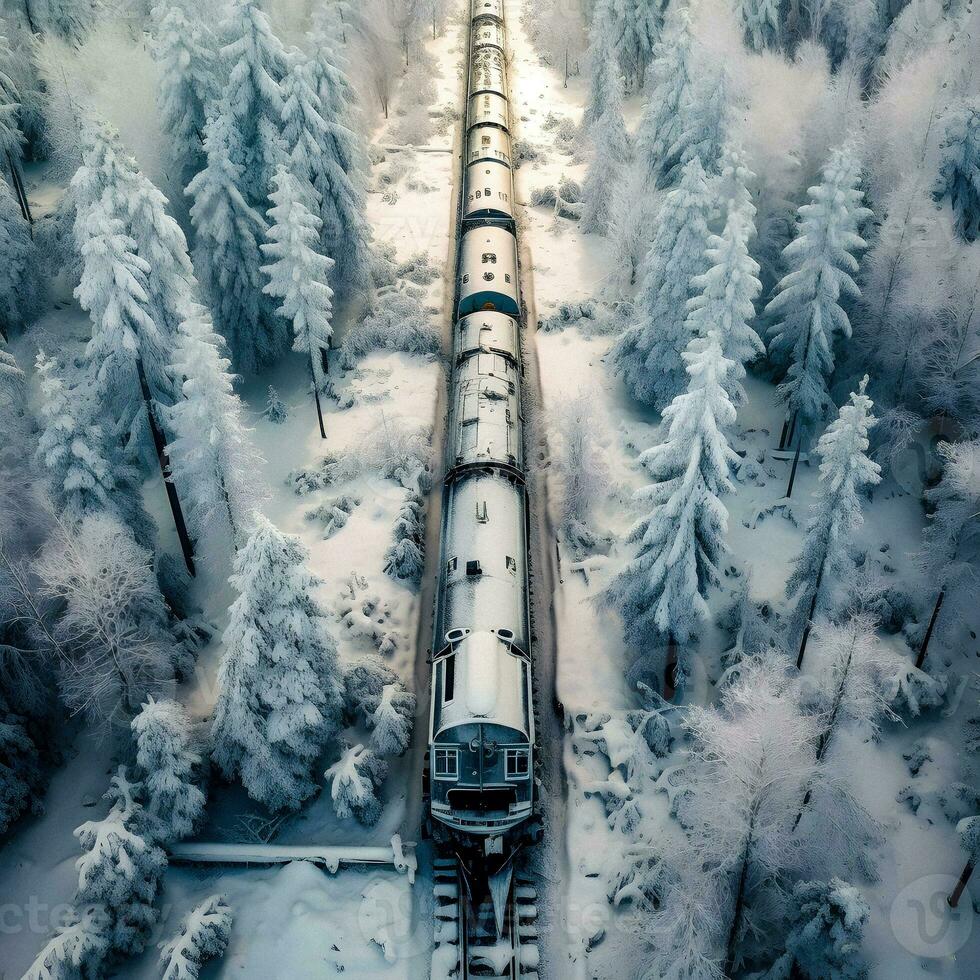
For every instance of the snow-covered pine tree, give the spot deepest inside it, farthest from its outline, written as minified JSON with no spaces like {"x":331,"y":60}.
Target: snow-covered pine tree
{"x":405,"y":558}
{"x":204,"y":935}
{"x":227,"y":253}
{"x":827,"y":921}
{"x":760,"y":20}
{"x":364,"y":681}
{"x":184,"y":47}
{"x":638,"y":25}
{"x":662,"y":591}
{"x":724,"y":303}
{"x":298,"y":274}
{"x":12,"y":382}
{"x":392,"y":721}
{"x":127,"y":353}
{"x":110,"y":180}
{"x":610,"y":153}
{"x":254,"y":64}
{"x":341,"y":177}
{"x":806,"y":312}
{"x":951,"y":542}
{"x":845,"y":472}
{"x":11,"y":138}
{"x":959,"y":169}
{"x":170,"y":764}
{"x":355,"y":779}
{"x":121,"y":866}
{"x":649,"y":354}
{"x":212,"y":455}
{"x":732,"y":187}
{"x":18,"y":283}
{"x":670,"y":84}
{"x":280,"y":696}
{"x":77,"y":948}
{"x":703,"y":130}
{"x":20,"y":777}
{"x":600,"y":54}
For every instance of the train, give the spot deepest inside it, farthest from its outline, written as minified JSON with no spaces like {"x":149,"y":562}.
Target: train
{"x":479,"y":775}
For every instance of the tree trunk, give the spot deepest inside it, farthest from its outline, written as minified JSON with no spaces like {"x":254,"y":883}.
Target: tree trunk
{"x":731,"y":948}
{"x":316,"y":398}
{"x":809,"y":619}
{"x":30,"y":18}
{"x":21,"y":194}
{"x":954,"y":899}
{"x":924,"y":648}
{"x":161,"y":447}
{"x":794,"y":467}
{"x":670,"y":670}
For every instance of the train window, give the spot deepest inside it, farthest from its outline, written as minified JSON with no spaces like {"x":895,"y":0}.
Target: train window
{"x":485,"y":141}
{"x":481,"y":511}
{"x":478,"y":194}
{"x":449,"y":678}
{"x":511,"y":564}
{"x":447,"y":764}
{"x":466,"y":278}
{"x":490,"y":257}
{"x":451,"y":564}
{"x":474,"y":568}
{"x":518,"y":763}
{"x":488,"y":276}
{"x":487,"y":192}
{"x":506,"y":277}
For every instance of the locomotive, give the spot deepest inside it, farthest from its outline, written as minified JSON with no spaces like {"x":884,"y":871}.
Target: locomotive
{"x":479,"y":778}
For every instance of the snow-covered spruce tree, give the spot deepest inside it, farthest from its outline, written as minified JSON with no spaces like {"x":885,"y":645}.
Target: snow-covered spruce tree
{"x":760,"y":20}
{"x":959,"y":170}
{"x":580,"y":465}
{"x":203,"y":935}
{"x":637,"y":24}
{"x":227,"y":253}
{"x":212,"y":455}
{"x":670,"y":84}
{"x":77,"y":948}
{"x":110,"y":181}
{"x":724,"y":303}
{"x":611,"y":152}
{"x":951,"y":542}
{"x":184,"y":47}
{"x":649,"y":354}
{"x":341,"y":174}
{"x":405,"y":559}
{"x":114,"y":624}
{"x":392,"y":721}
{"x":364,"y":682}
{"x":254,"y":64}
{"x":703,"y":124}
{"x":298,"y":274}
{"x":170,"y":762}
{"x":825,"y":934}
{"x":845,"y":472}
{"x":355,"y":779}
{"x":279,"y":695}
{"x":732,"y":187}
{"x":806,"y":312}
{"x":661,"y":592}
{"x":121,"y":866}
{"x":20,"y":777}
{"x":18,"y":283}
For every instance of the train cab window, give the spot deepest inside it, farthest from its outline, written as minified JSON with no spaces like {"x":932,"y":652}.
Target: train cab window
{"x":518,"y":761}
{"x":449,"y":678}
{"x":511,"y":564}
{"x":447,"y":764}
{"x":490,"y":257}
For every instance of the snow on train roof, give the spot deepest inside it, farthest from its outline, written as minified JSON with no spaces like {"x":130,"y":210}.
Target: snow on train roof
{"x":489,"y":685}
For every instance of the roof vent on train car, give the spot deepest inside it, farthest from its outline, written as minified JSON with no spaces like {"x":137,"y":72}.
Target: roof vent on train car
{"x":455,"y":635}
{"x":473,"y":568}
{"x":505,"y":634}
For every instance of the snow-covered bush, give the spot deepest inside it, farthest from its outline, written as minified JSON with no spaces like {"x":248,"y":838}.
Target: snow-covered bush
{"x":275,"y":408}
{"x":121,"y":866}
{"x":392,"y":720}
{"x":910,"y":691}
{"x":418,"y":269}
{"x":170,"y":764}
{"x":958,"y":800}
{"x":334,"y":514}
{"x":279,"y":697}
{"x":114,"y":622}
{"x":77,"y":948}
{"x":405,"y":559}
{"x":827,"y":921}
{"x":203,"y":935}
{"x":753,"y":628}
{"x":355,"y":779}
{"x":364,"y":682}
{"x":366,"y":616}
{"x":397,"y":322}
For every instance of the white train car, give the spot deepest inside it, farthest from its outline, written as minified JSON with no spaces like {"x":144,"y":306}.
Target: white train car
{"x":488,"y":271}
{"x":488,"y":142}
{"x":489,"y":192}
